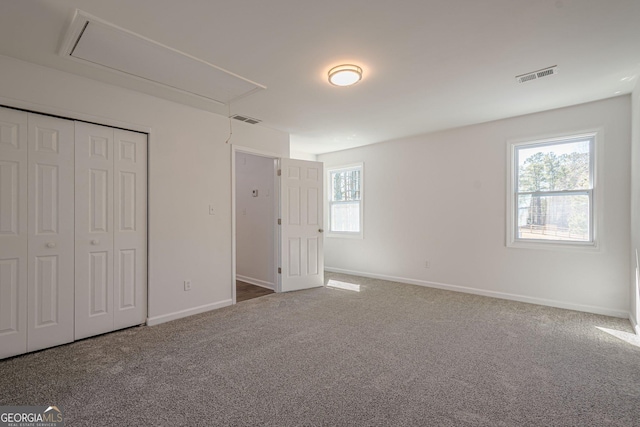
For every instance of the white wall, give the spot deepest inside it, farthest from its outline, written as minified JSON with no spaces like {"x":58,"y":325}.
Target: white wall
{"x":255,"y":220}
{"x":189,"y":169}
{"x":635,"y":207}
{"x":420,"y":193}
{"x":300,"y":155}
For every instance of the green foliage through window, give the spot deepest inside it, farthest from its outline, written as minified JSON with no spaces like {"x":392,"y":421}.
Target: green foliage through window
{"x":548,"y":171}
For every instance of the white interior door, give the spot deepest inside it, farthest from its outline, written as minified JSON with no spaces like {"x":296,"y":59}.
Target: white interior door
{"x":301,"y":238}
{"x":130,"y":229}
{"x":51,"y":230}
{"x":13,"y":232}
{"x":111,"y":229}
{"x":93,"y":230}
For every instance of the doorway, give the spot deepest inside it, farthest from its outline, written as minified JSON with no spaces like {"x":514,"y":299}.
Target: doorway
{"x":256,"y":202}
{"x":292,"y":258}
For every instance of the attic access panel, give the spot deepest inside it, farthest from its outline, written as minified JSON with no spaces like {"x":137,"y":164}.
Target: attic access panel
{"x":103,"y":44}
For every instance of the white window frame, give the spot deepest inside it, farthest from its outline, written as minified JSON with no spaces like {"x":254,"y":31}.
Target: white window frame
{"x":595,"y":193}
{"x":344,"y":234}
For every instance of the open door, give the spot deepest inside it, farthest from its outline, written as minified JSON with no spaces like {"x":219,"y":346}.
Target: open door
{"x":301,"y":238}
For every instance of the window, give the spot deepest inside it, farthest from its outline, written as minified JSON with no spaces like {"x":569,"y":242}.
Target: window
{"x":345,"y":200}
{"x":552,"y":191}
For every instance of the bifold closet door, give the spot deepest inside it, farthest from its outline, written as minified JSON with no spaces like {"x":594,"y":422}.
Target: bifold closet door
{"x":13,"y":232}
{"x":94,"y":230}
{"x":111,"y":240}
{"x":50,"y":291}
{"x":73,"y":230}
{"x":130,"y":224}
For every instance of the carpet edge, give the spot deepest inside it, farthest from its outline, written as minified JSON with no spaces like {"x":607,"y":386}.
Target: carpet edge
{"x":494,"y":294}
{"x":156,"y":320}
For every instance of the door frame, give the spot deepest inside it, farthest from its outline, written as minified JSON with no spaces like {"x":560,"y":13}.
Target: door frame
{"x":276,"y":206}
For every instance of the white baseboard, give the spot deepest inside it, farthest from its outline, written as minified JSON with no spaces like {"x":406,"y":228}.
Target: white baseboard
{"x":502,"y":295}
{"x":156,"y":320}
{"x":257,"y":282}
{"x":634,"y":324}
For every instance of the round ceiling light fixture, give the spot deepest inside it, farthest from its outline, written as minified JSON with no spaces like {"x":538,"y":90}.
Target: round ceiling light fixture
{"x":345,"y":75}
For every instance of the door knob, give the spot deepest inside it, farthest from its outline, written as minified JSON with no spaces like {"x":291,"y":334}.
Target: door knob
{"x":51,"y":245}
{"x":95,"y":242}
{"x":320,"y":230}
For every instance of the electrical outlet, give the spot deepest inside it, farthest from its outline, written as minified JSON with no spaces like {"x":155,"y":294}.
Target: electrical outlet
{"x":427,"y":264}
{"x":187,"y":285}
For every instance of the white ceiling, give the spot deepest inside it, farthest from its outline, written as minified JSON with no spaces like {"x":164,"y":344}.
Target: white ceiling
{"x":428,"y":64}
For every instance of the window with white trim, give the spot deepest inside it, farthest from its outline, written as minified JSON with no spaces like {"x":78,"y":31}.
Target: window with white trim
{"x":345,"y":200}
{"x":552,"y":197}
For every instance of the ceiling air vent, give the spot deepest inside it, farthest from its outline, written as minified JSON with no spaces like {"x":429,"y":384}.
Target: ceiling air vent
{"x":534,"y":75}
{"x":95,"y":42}
{"x":246,"y":119}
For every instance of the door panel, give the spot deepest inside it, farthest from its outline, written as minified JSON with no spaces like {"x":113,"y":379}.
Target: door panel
{"x":9,"y":197}
{"x":46,"y":290}
{"x":130,"y":237}
{"x":94,"y":229}
{"x":127,"y":279}
{"x":302,"y":256}
{"x":99,"y":200}
{"x":46,"y":202}
{"x":9,"y":308}
{"x":312,"y":255}
{"x":99,"y":285}
{"x":294,"y":257}
{"x":50,"y":228}
{"x":13,"y":232}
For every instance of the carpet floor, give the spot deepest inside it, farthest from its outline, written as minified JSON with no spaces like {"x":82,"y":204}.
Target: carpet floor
{"x":389,"y":355}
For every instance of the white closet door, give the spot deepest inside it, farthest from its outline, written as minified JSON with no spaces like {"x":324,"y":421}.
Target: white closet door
{"x":94,"y":230}
{"x":130,"y":239}
{"x":51,"y":228}
{"x":13,"y":232}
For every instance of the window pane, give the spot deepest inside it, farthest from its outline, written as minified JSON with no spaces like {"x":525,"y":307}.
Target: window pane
{"x":345,"y":185}
{"x":554,"y":167}
{"x":345,"y":217}
{"x":559,"y":217}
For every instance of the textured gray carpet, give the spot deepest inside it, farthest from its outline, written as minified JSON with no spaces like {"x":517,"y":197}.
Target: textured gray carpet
{"x":390,"y":355}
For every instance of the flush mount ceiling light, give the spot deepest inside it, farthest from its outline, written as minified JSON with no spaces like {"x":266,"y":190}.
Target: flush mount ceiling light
{"x":345,"y":75}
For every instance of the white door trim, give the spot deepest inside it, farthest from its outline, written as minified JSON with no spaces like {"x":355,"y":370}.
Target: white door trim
{"x":270,"y":155}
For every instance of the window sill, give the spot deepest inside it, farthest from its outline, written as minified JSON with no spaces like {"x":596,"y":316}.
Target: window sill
{"x":555,"y":245}
{"x":334,"y":234}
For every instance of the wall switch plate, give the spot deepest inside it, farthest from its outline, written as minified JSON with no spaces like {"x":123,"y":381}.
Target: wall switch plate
{"x":187,"y":285}
{"x":211,"y":210}
{"x":427,"y":264}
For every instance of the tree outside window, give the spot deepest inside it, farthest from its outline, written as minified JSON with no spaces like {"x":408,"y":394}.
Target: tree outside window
{"x":554,"y":190}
